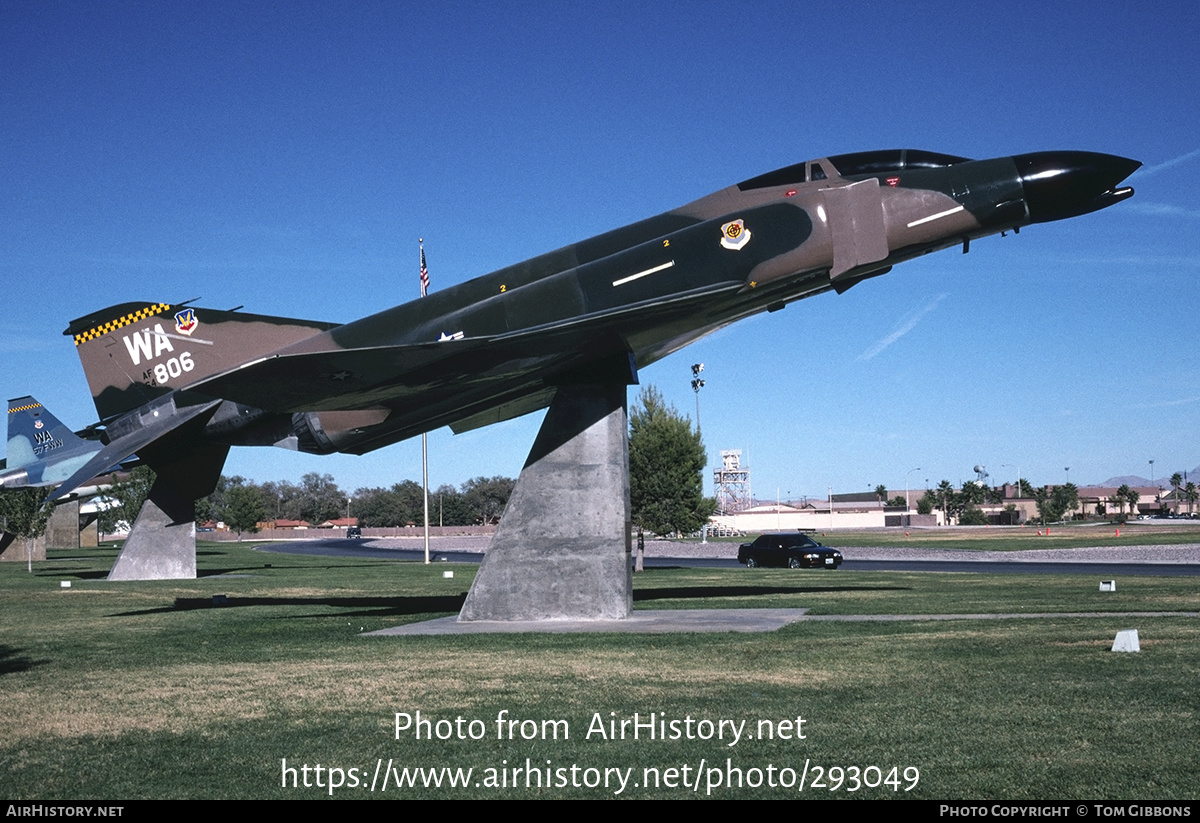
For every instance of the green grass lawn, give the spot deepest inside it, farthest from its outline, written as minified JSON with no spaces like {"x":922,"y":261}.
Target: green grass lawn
{"x":127,"y":690}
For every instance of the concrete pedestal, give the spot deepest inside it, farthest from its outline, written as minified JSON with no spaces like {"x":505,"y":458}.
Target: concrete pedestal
{"x":562,"y":550}
{"x":62,"y":532}
{"x":162,"y":543}
{"x":21,"y":549}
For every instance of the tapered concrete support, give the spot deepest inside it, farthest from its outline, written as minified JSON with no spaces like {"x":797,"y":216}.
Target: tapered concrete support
{"x":562,"y":550}
{"x":62,"y":532}
{"x":162,"y":543}
{"x":21,"y":549}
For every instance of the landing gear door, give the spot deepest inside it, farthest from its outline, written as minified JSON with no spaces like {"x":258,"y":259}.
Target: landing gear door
{"x":856,"y":225}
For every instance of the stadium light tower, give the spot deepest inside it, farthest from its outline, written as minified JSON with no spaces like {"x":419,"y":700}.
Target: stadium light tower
{"x":697,"y":385}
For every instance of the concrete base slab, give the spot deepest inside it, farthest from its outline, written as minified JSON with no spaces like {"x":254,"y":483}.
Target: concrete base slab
{"x":159,"y":547}
{"x":638,"y":622}
{"x":561,"y":552}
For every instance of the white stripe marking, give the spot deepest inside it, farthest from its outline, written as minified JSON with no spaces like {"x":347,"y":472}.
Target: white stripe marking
{"x":181,"y":337}
{"x":937,"y":216}
{"x":633,"y":277}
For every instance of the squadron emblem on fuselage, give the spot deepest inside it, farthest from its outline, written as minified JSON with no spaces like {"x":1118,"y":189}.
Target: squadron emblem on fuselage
{"x":734,"y":235}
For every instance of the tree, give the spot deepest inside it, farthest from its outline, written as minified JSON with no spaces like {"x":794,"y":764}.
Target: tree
{"x":898,"y":500}
{"x":125,"y":499}
{"x":1126,"y":496}
{"x":973,"y":493}
{"x":1053,"y":505}
{"x":666,"y":461}
{"x":320,"y":498}
{"x":244,"y":509}
{"x":972,"y":516}
{"x":212,"y":508}
{"x":487,"y":497}
{"x":945,"y":495}
{"x":927,"y":503}
{"x":881,"y":493}
{"x":1132,"y":496}
{"x":448,"y":507}
{"x":1191,"y":495}
{"x":1176,"y":482}
{"x":23,"y":513}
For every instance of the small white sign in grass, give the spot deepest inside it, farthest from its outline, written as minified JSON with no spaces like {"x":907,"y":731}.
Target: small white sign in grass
{"x":1127,"y":641}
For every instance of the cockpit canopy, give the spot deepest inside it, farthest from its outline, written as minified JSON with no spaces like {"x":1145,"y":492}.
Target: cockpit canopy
{"x":860,"y":163}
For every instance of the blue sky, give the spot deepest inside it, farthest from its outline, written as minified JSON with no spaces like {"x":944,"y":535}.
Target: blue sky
{"x":286,"y":157}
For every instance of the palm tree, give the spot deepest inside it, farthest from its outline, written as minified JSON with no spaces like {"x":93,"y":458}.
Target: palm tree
{"x":1189,"y":491}
{"x":946,"y":492}
{"x":1123,"y":497}
{"x":1176,"y":482}
{"x":881,"y":493}
{"x":1132,"y":496}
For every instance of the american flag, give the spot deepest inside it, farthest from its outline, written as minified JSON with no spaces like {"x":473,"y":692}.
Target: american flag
{"x":424,"y":273}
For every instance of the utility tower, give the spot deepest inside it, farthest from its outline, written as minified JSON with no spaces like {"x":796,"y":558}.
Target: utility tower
{"x":732,"y":483}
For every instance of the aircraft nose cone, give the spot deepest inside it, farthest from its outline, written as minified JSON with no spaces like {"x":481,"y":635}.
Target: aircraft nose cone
{"x":1060,"y":184}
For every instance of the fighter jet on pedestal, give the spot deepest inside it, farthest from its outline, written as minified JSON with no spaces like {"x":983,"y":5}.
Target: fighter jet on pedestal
{"x":179,"y":385}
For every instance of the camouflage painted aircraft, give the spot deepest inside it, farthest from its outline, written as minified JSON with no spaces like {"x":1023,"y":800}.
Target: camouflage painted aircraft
{"x":42,"y":451}
{"x":180,"y":385}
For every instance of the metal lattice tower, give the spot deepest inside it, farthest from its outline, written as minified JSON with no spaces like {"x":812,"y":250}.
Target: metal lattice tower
{"x":732,"y":483}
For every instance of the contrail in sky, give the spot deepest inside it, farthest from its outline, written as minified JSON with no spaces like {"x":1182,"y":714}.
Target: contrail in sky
{"x":906,"y":325}
{"x":1146,"y":171}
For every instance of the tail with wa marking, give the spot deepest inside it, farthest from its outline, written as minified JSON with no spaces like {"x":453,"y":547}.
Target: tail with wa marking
{"x":134,"y":353}
{"x":42,"y":451}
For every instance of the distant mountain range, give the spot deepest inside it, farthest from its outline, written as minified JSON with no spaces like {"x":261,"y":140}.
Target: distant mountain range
{"x":1159,"y":480}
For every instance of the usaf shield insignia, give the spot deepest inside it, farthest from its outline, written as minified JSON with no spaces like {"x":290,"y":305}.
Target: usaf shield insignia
{"x":734,"y":235}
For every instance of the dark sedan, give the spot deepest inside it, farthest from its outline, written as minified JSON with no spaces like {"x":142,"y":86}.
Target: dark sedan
{"x":797,"y":551}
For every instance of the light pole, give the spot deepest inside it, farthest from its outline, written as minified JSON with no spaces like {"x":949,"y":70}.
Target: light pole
{"x":907,"y":502}
{"x":1018,"y":468}
{"x":697,"y":385}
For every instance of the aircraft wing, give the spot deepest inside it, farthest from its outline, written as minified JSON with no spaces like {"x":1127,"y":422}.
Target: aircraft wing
{"x":121,"y":448}
{"x":358,"y":378}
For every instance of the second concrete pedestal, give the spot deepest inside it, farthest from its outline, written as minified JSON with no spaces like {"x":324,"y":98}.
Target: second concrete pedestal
{"x":561,"y":552}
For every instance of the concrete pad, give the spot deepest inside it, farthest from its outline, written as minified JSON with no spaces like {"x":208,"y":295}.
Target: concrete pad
{"x":638,"y":622}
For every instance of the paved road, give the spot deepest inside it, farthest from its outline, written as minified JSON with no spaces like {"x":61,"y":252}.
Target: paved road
{"x":1103,"y":563}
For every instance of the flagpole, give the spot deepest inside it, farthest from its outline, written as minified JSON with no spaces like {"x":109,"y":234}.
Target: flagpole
{"x":424,"y":441}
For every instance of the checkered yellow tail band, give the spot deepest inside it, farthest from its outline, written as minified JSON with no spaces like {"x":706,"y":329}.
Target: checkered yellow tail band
{"x":120,"y":322}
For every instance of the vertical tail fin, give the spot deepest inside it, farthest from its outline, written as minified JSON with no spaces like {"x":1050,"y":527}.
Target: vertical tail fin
{"x":134,"y":353}
{"x":42,"y":451}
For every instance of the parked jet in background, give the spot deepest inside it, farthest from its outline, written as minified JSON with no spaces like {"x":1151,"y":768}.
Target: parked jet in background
{"x":41,"y":450}
{"x":180,"y":385}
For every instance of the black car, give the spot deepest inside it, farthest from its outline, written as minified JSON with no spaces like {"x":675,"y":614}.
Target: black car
{"x":354,"y":531}
{"x":797,"y":551}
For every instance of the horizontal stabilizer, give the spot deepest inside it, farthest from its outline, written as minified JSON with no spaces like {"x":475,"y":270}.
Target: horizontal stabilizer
{"x":505,"y":411}
{"x":340,"y":379}
{"x":123,"y":447}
